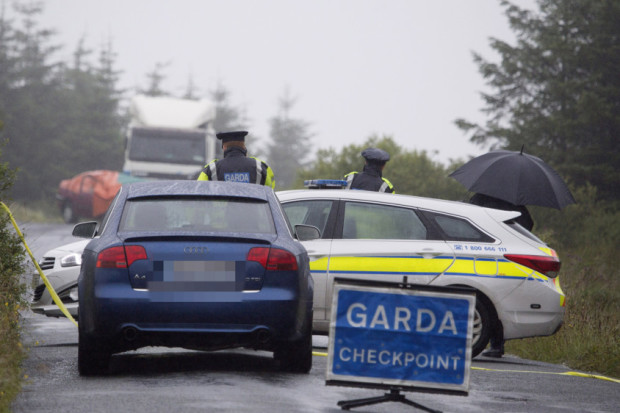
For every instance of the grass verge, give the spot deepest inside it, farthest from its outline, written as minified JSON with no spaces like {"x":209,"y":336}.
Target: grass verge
{"x":11,"y":355}
{"x":12,"y":298}
{"x":589,"y":339}
{"x":36,"y":212}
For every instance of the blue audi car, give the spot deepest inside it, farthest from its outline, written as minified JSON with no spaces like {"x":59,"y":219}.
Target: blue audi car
{"x":195,"y":264}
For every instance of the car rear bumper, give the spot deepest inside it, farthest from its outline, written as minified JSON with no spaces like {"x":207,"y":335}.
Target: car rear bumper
{"x":531,"y":324}
{"x":128,"y":318}
{"x":537,"y":311}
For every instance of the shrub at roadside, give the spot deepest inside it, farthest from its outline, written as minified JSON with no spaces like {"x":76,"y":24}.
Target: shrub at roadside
{"x":12,"y":291}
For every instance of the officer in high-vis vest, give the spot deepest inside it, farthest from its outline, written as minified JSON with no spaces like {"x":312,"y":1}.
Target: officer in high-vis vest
{"x":371,"y":179}
{"x":236,"y":165}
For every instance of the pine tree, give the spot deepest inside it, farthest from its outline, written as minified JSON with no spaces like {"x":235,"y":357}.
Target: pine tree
{"x":60,"y":119}
{"x":155,"y":80}
{"x":29,"y":99}
{"x":230,"y":118}
{"x":557,"y":91}
{"x":290,"y":144}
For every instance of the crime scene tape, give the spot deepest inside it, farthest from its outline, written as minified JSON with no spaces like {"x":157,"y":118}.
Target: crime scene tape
{"x":566,"y":373}
{"x":48,"y":285}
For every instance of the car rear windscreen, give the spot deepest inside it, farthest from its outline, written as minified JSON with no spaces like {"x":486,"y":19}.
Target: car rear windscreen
{"x":517,"y":227}
{"x":197,"y":214}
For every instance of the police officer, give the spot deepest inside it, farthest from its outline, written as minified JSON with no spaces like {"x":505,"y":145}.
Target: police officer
{"x":371,"y":178}
{"x":496,"y":348}
{"x":236,"y":165}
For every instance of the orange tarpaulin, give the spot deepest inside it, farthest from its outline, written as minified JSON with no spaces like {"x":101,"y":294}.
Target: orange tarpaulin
{"x":93,"y":190}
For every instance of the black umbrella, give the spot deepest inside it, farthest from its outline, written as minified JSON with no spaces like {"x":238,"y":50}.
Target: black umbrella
{"x":516,"y":177}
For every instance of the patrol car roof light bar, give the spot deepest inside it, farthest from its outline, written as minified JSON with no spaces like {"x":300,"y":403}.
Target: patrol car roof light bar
{"x":325,"y":183}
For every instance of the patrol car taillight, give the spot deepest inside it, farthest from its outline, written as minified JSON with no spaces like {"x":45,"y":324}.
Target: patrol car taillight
{"x":120,"y":257}
{"x":549,"y":266}
{"x":273,"y":259}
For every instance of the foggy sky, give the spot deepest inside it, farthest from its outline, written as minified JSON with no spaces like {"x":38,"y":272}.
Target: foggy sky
{"x":357,"y":67}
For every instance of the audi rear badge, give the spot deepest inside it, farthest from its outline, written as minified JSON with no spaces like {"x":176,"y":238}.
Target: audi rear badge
{"x":195,"y":250}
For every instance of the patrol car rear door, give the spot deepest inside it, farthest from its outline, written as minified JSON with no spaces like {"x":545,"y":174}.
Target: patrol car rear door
{"x":479,"y":255}
{"x":391,"y":243}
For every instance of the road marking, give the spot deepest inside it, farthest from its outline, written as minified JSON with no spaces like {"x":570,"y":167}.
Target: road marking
{"x":566,"y":373}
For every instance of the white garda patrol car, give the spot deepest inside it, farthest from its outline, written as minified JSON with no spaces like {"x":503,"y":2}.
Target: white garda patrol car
{"x":400,"y":238}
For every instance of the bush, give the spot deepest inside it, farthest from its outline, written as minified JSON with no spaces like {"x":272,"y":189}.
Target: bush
{"x":585,"y":236}
{"x":11,"y":300}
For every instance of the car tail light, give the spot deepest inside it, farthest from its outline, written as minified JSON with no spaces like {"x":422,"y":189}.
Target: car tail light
{"x":549,"y":266}
{"x":120,"y":257}
{"x":273,"y":259}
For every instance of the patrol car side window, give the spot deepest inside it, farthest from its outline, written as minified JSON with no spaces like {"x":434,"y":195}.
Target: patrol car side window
{"x":309,"y":213}
{"x":373,"y":221}
{"x":458,"y":229}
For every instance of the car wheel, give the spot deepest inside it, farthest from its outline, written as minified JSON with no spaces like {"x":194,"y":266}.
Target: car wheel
{"x":68,"y":214}
{"x":482,"y":327}
{"x":296,"y":356}
{"x":93,"y":357}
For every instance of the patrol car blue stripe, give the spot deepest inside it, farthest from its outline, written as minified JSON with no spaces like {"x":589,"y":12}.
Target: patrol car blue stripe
{"x":439,"y":257}
{"x":481,"y":259}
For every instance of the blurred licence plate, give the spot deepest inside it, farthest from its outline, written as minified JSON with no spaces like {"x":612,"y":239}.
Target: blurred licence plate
{"x":195,"y":276}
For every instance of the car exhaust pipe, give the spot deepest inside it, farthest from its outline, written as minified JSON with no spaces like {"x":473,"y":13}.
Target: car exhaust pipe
{"x":130,"y":334}
{"x":263,"y":336}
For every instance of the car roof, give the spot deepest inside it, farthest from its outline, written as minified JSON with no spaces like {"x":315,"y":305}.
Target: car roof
{"x":196,"y":188}
{"x":439,"y":205}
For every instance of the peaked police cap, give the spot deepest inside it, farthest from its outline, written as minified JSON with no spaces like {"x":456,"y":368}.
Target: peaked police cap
{"x":232,"y":136}
{"x":375,"y":155}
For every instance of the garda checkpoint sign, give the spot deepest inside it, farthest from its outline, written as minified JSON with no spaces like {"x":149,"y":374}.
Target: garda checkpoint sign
{"x":386,"y":336}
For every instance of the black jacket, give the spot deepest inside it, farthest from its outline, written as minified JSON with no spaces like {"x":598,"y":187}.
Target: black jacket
{"x":369,"y":180}
{"x":238,"y":167}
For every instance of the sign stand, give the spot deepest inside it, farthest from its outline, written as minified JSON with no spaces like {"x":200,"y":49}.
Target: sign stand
{"x":393,"y":396}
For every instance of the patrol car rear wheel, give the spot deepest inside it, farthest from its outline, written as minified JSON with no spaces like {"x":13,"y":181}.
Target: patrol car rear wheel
{"x":482,"y":327}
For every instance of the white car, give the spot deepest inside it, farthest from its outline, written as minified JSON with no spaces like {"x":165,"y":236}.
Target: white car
{"x":61,"y":266}
{"x":407,"y":239}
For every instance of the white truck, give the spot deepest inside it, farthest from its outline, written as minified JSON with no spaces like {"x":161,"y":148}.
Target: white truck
{"x":169,"y":138}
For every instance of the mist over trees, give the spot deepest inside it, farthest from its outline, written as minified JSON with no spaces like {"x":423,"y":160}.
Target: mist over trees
{"x":411,"y":172}
{"x":155,"y":80}
{"x":59,"y":118}
{"x":290,"y":144}
{"x":557,"y":91}
{"x":230,"y":118}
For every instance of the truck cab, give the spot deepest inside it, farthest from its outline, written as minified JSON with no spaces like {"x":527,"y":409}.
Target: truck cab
{"x":169,"y":138}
